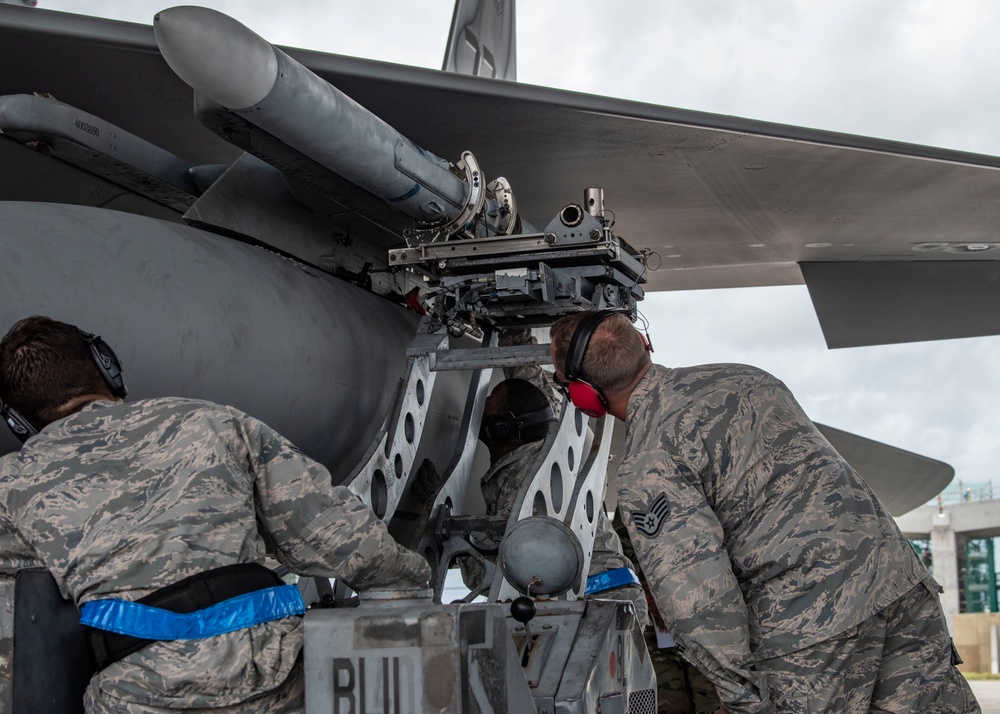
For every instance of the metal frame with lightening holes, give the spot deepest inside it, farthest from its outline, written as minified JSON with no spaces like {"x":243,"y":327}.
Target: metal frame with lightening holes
{"x":451,"y":498}
{"x":382,"y":478}
{"x":570,"y":471}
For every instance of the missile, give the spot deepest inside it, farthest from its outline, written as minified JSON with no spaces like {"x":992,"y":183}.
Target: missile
{"x":193,"y":314}
{"x":227,"y":62}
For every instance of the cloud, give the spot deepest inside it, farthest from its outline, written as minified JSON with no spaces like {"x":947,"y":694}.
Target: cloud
{"x":907,"y":71}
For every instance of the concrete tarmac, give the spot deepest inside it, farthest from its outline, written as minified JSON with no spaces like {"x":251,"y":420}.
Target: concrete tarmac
{"x":987,"y":691}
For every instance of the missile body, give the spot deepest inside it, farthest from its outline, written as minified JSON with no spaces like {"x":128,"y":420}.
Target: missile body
{"x":197,"y":315}
{"x":231,"y":65}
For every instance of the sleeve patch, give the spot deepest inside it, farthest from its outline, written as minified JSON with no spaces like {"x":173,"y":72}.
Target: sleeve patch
{"x":650,"y":522}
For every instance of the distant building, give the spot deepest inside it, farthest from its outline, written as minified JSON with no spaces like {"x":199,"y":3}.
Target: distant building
{"x":955,"y":539}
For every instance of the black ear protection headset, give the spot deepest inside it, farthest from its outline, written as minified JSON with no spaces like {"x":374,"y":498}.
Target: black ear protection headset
{"x":19,"y":426}
{"x":501,"y":428}
{"x":108,"y":365}
{"x":588,"y":398}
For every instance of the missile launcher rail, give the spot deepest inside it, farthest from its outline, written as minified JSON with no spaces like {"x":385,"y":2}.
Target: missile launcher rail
{"x":576,"y":263}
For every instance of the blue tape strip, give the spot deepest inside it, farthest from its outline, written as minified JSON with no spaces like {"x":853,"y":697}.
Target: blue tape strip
{"x":154,"y":623}
{"x":610,"y":579}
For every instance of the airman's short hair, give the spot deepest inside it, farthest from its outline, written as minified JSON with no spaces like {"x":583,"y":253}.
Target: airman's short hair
{"x":615,"y":354}
{"x":44,"y":364}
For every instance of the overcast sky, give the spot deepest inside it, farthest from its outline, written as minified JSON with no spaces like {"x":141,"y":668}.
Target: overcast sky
{"x":921,"y":71}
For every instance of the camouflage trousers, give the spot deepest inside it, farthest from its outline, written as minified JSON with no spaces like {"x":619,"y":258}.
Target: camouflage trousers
{"x":289,"y":698}
{"x":900,"y":661}
{"x":680,"y":687}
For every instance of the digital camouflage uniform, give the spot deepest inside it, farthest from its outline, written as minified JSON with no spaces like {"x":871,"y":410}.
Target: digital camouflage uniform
{"x":14,"y":556}
{"x":119,"y":500}
{"x":770,"y":559}
{"x":680,"y":687}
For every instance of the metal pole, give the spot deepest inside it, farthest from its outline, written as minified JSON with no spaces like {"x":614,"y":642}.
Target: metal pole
{"x":994,"y":650}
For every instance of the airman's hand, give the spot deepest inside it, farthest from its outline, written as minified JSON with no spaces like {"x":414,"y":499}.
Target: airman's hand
{"x":414,"y":569}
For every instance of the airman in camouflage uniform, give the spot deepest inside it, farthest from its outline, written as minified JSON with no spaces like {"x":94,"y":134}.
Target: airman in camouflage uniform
{"x":773,"y":564}
{"x":500,"y":485}
{"x":118,"y":500}
{"x":509,"y":469}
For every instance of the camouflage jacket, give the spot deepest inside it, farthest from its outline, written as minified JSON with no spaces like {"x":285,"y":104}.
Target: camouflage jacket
{"x":756,"y":537}
{"x":120,"y":499}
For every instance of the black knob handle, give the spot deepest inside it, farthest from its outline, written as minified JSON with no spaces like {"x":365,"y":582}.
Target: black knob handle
{"x":522,"y":609}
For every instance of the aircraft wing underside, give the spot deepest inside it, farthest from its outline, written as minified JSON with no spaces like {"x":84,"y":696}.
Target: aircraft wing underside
{"x":896,"y":242}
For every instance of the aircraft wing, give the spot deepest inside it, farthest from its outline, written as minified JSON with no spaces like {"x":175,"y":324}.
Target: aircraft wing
{"x":896,"y":242}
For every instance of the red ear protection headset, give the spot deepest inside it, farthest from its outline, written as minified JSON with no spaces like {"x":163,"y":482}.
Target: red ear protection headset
{"x":586,"y":397}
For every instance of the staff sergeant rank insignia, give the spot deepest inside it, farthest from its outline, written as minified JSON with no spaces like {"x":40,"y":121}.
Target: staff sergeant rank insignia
{"x":650,"y":523}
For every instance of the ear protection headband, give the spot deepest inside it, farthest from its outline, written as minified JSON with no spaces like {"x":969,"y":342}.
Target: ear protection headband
{"x":585,"y":396}
{"x":501,"y":428}
{"x":108,"y":365}
{"x":19,"y":426}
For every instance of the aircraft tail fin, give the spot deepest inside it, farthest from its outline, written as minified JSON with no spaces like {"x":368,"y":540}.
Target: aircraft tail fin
{"x":482,"y":39}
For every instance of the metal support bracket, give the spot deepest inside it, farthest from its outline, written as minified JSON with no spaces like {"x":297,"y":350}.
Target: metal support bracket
{"x":492,"y":358}
{"x":384,"y":476}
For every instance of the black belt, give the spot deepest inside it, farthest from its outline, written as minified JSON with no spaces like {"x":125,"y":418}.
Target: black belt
{"x":185,"y":596}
